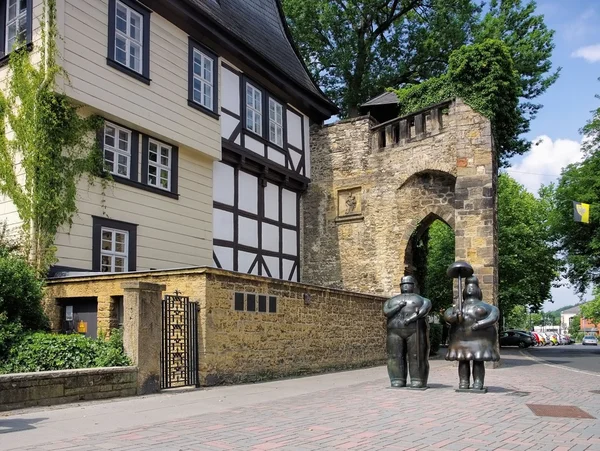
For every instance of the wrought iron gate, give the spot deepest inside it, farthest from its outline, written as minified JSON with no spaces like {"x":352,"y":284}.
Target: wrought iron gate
{"x":179,"y":351}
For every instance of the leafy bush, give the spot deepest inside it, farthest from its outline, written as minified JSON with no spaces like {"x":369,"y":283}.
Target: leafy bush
{"x":46,"y":352}
{"x":579,"y":337}
{"x":435,"y":338}
{"x":21,"y":292}
{"x":10,"y":333}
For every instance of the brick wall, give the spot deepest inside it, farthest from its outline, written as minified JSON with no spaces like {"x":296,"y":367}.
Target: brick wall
{"x":58,"y":387}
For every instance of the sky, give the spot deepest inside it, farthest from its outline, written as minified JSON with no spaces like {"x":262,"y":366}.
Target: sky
{"x":567,"y":104}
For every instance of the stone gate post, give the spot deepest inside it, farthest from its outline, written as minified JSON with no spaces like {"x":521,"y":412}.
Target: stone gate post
{"x":142,"y":331}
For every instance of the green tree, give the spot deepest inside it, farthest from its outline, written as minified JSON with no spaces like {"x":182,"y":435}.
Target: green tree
{"x":591,"y":310}
{"x":527,"y":265}
{"x":45,"y":145}
{"x":484,"y":75}
{"x":357,"y":48}
{"x":579,"y":243}
{"x":440,"y":255}
{"x":575,"y":325}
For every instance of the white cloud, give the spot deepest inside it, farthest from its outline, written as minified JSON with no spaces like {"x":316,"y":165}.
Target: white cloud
{"x":590,"y":53}
{"x":543,"y":163}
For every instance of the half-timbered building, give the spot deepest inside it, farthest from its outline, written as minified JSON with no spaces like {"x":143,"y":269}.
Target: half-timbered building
{"x":207,"y":107}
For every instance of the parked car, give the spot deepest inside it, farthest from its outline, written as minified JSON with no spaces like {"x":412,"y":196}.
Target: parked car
{"x":543,"y":338}
{"x":589,"y":340}
{"x":516,"y":338}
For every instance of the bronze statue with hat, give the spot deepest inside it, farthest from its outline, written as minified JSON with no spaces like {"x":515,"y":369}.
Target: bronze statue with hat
{"x":473,"y":335}
{"x":408,"y":336}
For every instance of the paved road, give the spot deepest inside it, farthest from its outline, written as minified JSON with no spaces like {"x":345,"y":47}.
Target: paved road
{"x":349,"y":410}
{"x":585,"y":358}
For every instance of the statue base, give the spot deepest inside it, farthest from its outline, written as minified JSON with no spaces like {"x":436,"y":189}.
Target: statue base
{"x":479,"y":391}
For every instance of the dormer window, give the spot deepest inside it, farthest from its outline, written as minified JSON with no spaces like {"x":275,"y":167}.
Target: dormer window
{"x":254,"y":109}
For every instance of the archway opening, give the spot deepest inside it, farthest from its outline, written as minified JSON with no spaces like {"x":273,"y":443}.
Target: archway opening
{"x":430,"y":251}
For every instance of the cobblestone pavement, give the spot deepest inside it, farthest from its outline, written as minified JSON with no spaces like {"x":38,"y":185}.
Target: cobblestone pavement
{"x":351,"y":410}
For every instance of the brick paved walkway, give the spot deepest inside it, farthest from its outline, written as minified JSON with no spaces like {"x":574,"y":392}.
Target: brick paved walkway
{"x":355,"y":411}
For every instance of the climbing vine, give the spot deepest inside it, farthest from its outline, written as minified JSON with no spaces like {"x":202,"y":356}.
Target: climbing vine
{"x":484,"y":76}
{"x":46,"y":146}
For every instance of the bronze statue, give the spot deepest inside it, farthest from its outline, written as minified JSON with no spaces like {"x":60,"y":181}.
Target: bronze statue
{"x":408,"y":336}
{"x":473,"y":334}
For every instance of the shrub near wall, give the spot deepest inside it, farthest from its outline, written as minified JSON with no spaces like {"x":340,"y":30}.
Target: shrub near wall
{"x":47,"y":352}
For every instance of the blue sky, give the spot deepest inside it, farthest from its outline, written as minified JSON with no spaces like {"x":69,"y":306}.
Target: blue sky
{"x":567,"y":104}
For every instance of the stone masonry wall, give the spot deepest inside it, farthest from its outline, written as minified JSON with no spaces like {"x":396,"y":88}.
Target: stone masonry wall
{"x":59,"y":387}
{"x":313,"y":328}
{"x":373,"y":187}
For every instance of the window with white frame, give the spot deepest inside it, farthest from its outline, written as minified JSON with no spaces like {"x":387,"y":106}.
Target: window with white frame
{"x":129,"y":37}
{"x":159,"y":165}
{"x":203,"y":67}
{"x":114,"y":250}
{"x":275,"y":123}
{"x":253,"y":109}
{"x":117,"y":149}
{"x":16,"y":23}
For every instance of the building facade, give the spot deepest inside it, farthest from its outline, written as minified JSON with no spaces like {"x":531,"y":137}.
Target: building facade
{"x":207,"y":107}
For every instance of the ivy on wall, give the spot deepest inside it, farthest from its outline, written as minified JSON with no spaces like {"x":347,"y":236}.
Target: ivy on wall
{"x":484,"y":76}
{"x":46,"y":146}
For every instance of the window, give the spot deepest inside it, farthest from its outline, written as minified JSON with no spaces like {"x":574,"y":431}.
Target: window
{"x":16,"y":23}
{"x":113,"y":254}
{"x":114,"y":245}
{"x":275,"y":123}
{"x":253,"y":109}
{"x":16,"y":20}
{"x":129,"y":38}
{"x":159,"y":165}
{"x":117,"y":149}
{"x":247,"y":302}
{"x":203,"y":76}
{"x":203,"y":79}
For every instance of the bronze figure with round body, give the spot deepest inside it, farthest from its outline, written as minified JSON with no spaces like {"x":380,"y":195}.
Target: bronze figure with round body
{"x":408,"y":336}
{"x":473,"y":335}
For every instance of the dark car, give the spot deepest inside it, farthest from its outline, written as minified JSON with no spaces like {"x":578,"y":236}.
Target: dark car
{"x":516,"y":338}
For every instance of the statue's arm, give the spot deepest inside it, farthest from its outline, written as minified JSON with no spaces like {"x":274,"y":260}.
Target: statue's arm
{"x":421,"y":313}
{"x":392,"y":306}
{"x":425,"y":308}
{"x":491,"y":319}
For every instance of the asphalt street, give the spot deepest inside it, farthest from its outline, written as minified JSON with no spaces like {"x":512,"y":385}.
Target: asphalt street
{"x":576,"y":356}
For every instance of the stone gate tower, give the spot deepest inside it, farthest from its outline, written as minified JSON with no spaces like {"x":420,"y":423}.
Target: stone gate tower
{"x":377,"y":187}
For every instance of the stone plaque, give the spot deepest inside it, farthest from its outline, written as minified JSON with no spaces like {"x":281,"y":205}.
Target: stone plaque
{"x":349,"y":202}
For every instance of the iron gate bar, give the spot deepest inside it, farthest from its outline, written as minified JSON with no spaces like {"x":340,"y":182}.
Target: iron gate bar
{"x":179,"y":350}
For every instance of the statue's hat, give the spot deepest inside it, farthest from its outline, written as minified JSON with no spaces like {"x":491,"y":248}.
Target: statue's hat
{"x":407,"y":279}
{"x":472,"y":279}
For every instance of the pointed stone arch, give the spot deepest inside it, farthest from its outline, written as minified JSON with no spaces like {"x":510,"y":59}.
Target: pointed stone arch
{"x":437,"y":163}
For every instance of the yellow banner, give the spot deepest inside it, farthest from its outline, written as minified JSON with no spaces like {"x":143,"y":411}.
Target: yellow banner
{"x":581,"y":212}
